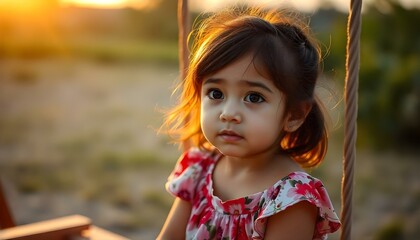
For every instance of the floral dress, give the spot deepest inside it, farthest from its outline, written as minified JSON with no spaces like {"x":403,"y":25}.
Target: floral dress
{"x":246,"y":217}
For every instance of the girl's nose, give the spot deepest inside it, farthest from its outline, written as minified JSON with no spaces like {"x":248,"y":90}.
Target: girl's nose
{"x":230,"y":116}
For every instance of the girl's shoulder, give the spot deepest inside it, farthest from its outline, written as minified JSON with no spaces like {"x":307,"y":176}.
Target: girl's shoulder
{"x":294,"y":188}
{"x":198,"y":156}
{"x":190,"y":172}
{"x":298,"y":186}
{"x":298,"y":177}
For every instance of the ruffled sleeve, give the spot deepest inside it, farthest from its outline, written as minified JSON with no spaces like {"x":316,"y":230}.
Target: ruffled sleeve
{"x":185,"y":177}
{"x":297,"y":187}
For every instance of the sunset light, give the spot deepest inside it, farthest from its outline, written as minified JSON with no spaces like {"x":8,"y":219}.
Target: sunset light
{"x":97,"y":3}
{"x":138,"y":4}
{"x":24,"y":7}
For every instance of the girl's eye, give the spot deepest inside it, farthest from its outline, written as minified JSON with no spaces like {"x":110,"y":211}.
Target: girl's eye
{"x":254,"y":98}
{"x":215,"y":94}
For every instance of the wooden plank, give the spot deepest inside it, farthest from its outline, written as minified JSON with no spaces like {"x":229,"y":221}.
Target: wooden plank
{"x":6,"y":219}
{"x":55,"y":229}
{"x":97,"y":233}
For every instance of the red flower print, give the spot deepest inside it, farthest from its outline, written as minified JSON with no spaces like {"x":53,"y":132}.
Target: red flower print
{"x":273,"y":192}
{"x":219,"y":232}
{"x":184,"y":194}
{"x":242,"y":232}
{"x":238,"y":230}
{"x":305,"y":190}
{"x":323,"y":195}
{"x":205,"y":216}
{"x":235,"y":208}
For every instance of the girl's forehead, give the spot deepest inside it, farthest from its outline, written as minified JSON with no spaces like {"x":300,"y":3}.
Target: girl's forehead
{"x":242,"y":71}
{"x":241,"y":67}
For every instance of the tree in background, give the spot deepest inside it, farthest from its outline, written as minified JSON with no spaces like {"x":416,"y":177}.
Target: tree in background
{"x":389,"y":90}
{"x":389,"y":80}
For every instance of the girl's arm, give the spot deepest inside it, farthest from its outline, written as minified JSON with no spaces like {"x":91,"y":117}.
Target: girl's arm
{"x":296,"y":222}
{"x":176,"y":222}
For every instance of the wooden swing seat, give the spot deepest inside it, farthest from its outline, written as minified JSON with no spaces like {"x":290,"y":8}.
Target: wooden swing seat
{"x":73,"y":227}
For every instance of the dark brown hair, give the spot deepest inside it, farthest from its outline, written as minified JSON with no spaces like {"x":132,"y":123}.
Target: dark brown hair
{"x":283,"y":51}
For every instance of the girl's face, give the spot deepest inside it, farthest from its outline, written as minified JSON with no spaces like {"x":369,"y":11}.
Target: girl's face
{"x":242,"y":112}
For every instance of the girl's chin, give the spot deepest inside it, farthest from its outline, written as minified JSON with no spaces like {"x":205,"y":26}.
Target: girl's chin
{"x":232,"y":151}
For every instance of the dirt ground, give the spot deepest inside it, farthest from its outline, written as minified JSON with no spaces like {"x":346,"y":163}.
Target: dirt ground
{"x":79,"y":137}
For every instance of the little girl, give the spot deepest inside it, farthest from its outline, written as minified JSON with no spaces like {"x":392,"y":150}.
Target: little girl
{"x":247,"y":107}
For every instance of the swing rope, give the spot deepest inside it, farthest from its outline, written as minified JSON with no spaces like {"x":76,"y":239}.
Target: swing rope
{"x":350,"y":125}
{"x":350,"y":98}
{"x":183,"y":52}
{"x":183,"y":28}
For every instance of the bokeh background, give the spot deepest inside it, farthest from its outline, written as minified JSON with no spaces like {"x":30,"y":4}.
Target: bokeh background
{"x":82,"y":83}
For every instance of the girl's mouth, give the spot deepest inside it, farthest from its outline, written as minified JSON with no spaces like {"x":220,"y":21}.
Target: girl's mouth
{"x":229,"y":136}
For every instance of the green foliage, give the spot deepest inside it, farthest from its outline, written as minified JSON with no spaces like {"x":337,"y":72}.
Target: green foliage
{"x":389,"y":79}
{"x":391,"y":231}
{"x":155,"y":23}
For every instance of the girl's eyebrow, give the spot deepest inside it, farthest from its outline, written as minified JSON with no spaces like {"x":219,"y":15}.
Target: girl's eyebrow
{"x":247,"y":82}
{"x":257,"y":84}
{"x":212,"y":80}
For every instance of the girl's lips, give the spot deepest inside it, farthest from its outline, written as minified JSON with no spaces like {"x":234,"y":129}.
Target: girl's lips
{"x":230,"y":136}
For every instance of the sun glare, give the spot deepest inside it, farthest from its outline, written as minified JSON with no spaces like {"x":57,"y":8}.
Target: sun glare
{"x":137,"y":4}
{"x":97,"y":3}
{"x":23,"y":7}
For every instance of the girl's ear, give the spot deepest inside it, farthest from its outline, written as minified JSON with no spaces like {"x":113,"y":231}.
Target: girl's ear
{"x":296,"y":118}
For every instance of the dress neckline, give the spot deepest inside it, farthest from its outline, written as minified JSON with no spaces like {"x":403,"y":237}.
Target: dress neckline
{"x":242,"y":205}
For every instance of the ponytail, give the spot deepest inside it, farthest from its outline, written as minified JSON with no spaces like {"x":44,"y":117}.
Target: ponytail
{"x":308,"y":144}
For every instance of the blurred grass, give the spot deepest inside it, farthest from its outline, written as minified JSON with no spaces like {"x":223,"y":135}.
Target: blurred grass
{"x":36,"y":175}
{"x":101,"y":50}
{"x":143,"y":51}
{"x":25,"y":75}
{"x":114,"y":161}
